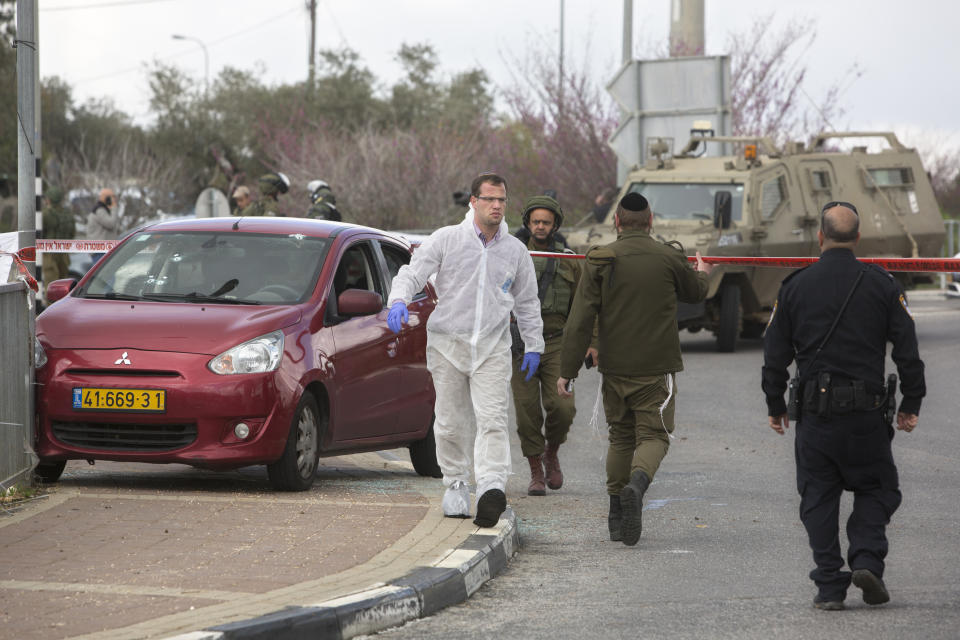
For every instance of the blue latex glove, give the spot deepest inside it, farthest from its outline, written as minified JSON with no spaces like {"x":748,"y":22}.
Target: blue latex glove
{"x":531,"y":360}
{"x":398,"y":316}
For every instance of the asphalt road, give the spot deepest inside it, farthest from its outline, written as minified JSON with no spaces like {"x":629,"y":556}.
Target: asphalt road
{"x":723,"y":552}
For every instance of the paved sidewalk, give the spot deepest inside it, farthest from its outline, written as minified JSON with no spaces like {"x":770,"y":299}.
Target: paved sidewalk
{"x":144,"y":551}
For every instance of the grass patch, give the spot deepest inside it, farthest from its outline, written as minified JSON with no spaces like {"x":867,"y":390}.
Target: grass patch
{"x":19,"y":494}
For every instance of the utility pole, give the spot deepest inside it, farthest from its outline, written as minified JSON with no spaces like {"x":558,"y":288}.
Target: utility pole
{"x":622,"y":168}
{"x":560,"y":77}
{"x":686,"y":28}
{"x":311,"y":61}
{"x":28,"y":137}
{"x":28,"y":171}
{"x":627,"y":31}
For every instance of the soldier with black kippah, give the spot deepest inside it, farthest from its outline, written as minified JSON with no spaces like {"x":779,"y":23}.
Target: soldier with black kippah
{"x":632,"y":285}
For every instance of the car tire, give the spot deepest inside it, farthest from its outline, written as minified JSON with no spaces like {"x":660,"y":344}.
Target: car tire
{"x":295,"y":469}
{"x":423,"y":455}
{"x":728,"y":326}
{"x":49,"y":472}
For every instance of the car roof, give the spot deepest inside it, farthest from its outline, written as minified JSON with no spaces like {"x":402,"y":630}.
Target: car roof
{"x":270,"y":224}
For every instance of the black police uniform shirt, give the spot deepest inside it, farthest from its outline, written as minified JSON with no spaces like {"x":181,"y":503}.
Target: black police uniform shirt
{"x":806,"y":307}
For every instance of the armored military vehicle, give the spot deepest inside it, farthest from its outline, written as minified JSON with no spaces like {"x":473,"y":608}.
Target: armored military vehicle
{"x":765,"y":201}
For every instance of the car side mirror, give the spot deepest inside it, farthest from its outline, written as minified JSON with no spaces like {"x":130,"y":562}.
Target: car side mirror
{"x":722,"y":202}
{"x":59,"y":289}
{"x":359,"y":302}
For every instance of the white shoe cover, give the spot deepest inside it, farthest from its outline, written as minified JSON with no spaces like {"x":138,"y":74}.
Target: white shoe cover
{"x":456,"y":500}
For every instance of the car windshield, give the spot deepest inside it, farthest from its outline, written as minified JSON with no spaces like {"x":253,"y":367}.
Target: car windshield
{"x":688,"y":201}
{"x":210,"y":267}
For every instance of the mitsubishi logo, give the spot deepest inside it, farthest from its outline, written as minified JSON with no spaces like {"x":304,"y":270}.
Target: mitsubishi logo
{"x":123,"y":359}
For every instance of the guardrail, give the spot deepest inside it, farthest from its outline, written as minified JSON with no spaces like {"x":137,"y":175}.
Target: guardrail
{"x":16,"y":386}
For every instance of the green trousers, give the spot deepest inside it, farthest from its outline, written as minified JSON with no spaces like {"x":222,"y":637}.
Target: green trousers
{"x":542,"y":415}
{"x":638,"y":434}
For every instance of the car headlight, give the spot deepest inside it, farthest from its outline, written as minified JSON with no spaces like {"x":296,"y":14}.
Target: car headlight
{"x":254,"y":356}
{"x":39,"y":355}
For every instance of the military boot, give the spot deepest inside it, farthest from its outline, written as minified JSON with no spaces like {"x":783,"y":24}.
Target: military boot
{"x":631,"y":503}
{"x":552,"y":464}
{"x":614,"y":519}
{"x":536,"y":487}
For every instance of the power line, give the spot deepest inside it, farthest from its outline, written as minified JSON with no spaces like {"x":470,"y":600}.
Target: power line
{"x":100,"y":5}
{"x":185,"y":52}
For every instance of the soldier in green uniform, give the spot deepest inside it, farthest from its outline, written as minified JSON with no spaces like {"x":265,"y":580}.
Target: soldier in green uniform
{"x":58,"y":223}
{"x":269,"y":185}
{"x":541,"y":435}
{"x":632,"y":285}
{"x":323,"y":203}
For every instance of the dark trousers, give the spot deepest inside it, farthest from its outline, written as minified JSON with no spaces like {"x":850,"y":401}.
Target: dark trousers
{"x":853,"y":453}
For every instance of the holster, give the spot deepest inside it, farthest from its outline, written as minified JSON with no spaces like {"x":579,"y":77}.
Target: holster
{"x":793,"y":399}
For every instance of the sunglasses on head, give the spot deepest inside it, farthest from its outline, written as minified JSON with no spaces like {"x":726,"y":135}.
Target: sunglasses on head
{"x":839,"y":203}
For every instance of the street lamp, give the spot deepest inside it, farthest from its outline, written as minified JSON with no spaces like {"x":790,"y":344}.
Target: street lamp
{"x":206,"y":60}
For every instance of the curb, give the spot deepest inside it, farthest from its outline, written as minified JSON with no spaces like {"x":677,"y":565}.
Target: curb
{"x":417,"y":594}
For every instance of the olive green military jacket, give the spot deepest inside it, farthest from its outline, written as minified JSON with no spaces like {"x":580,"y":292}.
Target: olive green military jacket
{"x":559,"y":295}
{"x":58,"y":222}
{"x":632,"y":285}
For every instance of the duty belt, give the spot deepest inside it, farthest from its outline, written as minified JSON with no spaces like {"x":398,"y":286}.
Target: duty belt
{"x":840,"y":398}
{"x":555,"y":334}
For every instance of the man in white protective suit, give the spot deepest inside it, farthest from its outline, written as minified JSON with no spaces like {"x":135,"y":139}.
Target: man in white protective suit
{"x":482,"y":274}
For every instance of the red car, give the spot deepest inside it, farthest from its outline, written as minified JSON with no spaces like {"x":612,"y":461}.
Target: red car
{"x":227,"y":342}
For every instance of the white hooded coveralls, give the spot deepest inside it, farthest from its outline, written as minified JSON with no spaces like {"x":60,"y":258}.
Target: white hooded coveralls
{"x":468,"y":342}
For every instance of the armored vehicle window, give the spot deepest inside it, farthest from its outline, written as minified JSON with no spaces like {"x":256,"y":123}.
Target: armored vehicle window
{"x":688,"y":201}
{"x":820,"y":180}
{"x":890,"y":177}
{"x":772,"y":196}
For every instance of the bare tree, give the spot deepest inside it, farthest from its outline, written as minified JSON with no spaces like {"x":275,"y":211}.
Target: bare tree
{"x":393,"y":178}
{"x":768,"y":73}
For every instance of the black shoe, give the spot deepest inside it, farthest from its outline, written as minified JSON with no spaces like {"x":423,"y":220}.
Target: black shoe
{"x":874,"y":591}
{"x":490,"y":507}
{"x":614,"y":519}
{"x":825,"y":604}
{"x":631,"y":503}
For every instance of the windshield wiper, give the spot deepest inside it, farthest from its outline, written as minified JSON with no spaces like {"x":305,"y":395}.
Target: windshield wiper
{"x":195,"y":297}
{"x":112,"y":295}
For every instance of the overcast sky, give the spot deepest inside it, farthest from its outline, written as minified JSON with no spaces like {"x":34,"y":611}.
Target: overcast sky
{"x":908,"y":52}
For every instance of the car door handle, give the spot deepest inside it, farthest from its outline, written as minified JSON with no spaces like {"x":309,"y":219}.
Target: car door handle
{"x":392,"y":348}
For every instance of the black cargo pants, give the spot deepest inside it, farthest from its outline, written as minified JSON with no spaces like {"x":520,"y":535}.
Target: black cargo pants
{"x":850,"y":452}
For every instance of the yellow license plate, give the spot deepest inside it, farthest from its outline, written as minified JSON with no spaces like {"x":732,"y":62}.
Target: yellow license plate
{"x":133,"y":400}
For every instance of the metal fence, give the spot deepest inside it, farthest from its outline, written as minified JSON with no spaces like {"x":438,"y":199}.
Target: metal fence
{"x":16,"y":386}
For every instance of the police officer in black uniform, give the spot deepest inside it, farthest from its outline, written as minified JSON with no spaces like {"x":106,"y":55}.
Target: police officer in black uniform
{"x":834,"y":318}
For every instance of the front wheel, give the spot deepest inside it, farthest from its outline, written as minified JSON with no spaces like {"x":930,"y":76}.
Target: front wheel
{"x":295,"y":469}
{"x":423,"y":455}
{"x":49,"y":472}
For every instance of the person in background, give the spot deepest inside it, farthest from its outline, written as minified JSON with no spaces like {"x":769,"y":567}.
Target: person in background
{"x":103,"y":222}
{"x":241,"y":195}
{"x":58,"y":223}
{"x":544,"y":417}
{"x":323,"y":204}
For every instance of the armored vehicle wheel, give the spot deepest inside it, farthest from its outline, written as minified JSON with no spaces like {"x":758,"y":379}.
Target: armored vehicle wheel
{"x":729,"y":325}
{"x":423,"y":455}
